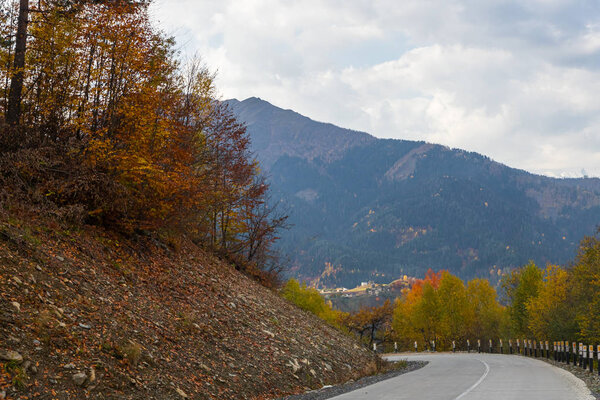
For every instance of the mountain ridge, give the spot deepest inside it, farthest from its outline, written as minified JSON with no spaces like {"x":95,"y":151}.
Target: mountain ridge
{"x":267,"y":144}
{"x":378,"y":208}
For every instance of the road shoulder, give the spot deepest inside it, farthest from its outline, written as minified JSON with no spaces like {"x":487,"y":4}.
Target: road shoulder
{"x":592,"y":380}
{"x":333,"y":391}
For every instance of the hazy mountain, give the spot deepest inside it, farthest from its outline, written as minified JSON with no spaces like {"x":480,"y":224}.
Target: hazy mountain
{"x":366,"y":208}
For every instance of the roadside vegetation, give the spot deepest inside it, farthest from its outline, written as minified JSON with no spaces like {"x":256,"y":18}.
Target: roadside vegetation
{"x":551,"y":303}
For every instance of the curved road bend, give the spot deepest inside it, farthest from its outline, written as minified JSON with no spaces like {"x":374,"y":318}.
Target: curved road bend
{"x":476,"y":377}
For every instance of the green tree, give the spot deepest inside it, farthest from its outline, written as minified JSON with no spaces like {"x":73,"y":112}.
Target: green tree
{"x":519,"y":287}
{"x":309,"y":299}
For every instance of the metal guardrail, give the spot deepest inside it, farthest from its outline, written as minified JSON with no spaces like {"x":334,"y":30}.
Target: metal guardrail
{"x":576,"y":353}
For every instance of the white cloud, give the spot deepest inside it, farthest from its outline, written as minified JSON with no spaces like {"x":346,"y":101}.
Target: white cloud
{"x":517,"y":81}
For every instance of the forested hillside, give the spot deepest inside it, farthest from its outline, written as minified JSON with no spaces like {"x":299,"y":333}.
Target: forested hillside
{"x":383,"y":208}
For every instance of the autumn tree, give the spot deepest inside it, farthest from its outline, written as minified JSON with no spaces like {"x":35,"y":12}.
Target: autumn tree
{"x":418,"y":316}
{"x":455,"y":308}
{"x":552,"y":312}
{"x":131,"y":139}
{"x":440,"y":308}
{"x":584,"y":288}
{"x":310,"y":299}
{"x":368,"y":322}
{"x":13,"y":111}
{"x":488,"y":317}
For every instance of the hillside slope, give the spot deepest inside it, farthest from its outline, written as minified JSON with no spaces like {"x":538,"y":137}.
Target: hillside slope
{"x":142,"y":321}
{"x":383,"y":208}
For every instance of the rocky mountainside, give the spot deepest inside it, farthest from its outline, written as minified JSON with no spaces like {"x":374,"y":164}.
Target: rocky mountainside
{"x":89,"y":314}
{"x":372,"y":209}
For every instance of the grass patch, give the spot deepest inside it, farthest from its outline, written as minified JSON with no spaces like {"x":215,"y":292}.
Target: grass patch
{"x":186,"y":322}
{"x":131,"y":351}
{"x":19,"y":377}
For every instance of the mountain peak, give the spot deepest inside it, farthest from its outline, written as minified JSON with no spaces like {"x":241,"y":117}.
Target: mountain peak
{"x":277,"y":132}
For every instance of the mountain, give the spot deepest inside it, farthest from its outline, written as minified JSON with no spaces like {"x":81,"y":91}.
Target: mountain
{"x":277,"y":132}
{"x":364,"y":208}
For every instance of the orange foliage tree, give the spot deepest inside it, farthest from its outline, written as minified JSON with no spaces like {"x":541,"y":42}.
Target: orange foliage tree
{"x":138,"y":139}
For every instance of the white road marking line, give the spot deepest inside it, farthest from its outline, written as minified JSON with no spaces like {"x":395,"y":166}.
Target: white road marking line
{"x":466,"y":392}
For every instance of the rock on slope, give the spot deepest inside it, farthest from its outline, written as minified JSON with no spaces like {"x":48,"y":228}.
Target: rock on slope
{"x":95,"y":316}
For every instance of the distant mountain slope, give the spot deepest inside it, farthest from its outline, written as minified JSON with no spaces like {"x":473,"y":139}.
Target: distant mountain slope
{"x":277,"y":132}
{"x":373,"y":209}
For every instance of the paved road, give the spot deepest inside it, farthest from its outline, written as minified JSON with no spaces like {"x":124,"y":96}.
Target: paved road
{"x":476,"y":377}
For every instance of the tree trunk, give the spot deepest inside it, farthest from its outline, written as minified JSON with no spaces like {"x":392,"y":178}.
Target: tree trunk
{"x":18,"y":74}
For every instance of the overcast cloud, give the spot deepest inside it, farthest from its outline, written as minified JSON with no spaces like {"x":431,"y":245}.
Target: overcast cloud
{"x":518,"y":81}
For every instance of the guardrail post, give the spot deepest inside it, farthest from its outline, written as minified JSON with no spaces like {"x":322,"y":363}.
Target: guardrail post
{"x":568,"y":352}
{"x":554,"y":353}
{"x":518,"y":347}
{"x":574,"y":354}
{"x":580,"y":355}
{"x":547,"y":351}
{"x":590,"y":356}
{"x":545,"y":346}
{"x":468,"y":346}
{"x":561,"y":349}
{"x":479,"y":345}
{"x":501,"y":347}
{"x":510,"y":350}
{"x":560,"y":355}
{"x":598,"y":358}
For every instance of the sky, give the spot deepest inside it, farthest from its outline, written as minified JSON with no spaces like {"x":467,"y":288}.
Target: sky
{"x":516,"y":80}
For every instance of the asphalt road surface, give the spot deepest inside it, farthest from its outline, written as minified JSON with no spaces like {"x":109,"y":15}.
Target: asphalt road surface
{"x":463,"y":376}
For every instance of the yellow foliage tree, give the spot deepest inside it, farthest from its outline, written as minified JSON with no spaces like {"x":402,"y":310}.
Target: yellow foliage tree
{"x":551,"y":312}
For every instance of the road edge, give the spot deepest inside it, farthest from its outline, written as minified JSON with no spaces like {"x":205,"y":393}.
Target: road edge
{"x":333,"y":391}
